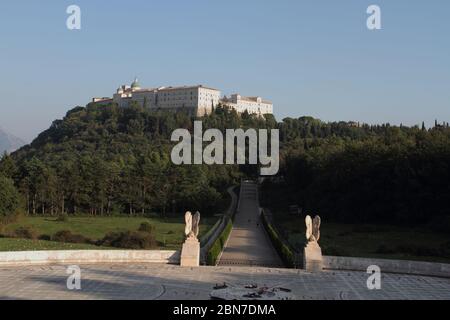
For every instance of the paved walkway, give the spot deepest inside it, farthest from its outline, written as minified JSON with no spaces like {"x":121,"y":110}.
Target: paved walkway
{"x":168,"y":282}
{"x":249,"y":244}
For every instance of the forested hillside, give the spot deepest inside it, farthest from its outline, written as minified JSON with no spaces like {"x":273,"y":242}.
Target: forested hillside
{"x":348,"y":172}
{"x":103,"y":160}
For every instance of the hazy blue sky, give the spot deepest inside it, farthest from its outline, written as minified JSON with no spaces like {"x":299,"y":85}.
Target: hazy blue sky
{"x":309,"y":57}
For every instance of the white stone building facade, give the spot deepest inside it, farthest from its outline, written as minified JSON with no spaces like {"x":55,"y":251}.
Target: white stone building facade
{"x":198,"y":100}
{"x":253,"y":105}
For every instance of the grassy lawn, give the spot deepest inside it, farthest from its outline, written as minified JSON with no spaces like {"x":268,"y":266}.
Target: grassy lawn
{"x":169,"y":231}
{"x":7,"y":244}
{"x":376,"y":241}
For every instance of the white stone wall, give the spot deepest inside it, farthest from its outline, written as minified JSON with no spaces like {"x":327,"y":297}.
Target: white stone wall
{"x":251,"y":105}
{"x":387,"y":265}
{"x":88,"y":256}
{"x":207,"y":100}
{"x":122,"y":99}
{"x":178,"y":98}
{"x":200,"y":100}
{"x":146,"y":99}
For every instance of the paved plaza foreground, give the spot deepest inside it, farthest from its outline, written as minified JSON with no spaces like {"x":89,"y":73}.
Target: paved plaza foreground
{"x":168,"y":282}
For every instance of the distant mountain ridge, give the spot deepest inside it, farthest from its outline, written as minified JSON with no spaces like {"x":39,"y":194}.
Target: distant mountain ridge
{"x":9,"y":143}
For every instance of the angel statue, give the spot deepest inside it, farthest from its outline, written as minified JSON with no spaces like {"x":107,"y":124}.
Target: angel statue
{"x":312,"y":229}
{"x":192,"y":222}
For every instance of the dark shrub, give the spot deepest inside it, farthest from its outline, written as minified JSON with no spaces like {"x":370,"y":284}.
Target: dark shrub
{"x":69,"y":237}
{"x":45,"y":237}
{"x":146,"y":227}
{"x":109,"y":239}
{"x":130,"y":240}
{"x":170,"y":232}
{"x":26,"y":232}
{"x":62,"y":236}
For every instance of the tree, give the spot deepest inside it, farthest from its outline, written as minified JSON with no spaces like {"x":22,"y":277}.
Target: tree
{"x":8,"y":166}
{"x":9,"y":197}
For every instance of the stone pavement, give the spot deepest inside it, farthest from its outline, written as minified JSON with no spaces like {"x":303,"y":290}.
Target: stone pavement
{"x":169,"y":282}
{"x":249,"y":244}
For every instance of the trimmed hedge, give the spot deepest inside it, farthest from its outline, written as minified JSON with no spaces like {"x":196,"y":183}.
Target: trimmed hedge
{"x":218,"y":245}
{"x":210,"y":232}
{"x":237,"y":192}
{"x":282,"y":248}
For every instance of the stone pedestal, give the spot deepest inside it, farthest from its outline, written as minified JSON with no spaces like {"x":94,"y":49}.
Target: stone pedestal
{"x":190,"y":253}
{"x":312,"y":257}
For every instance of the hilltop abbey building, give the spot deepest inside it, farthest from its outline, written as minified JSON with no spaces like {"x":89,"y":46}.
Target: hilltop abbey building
{"x":198,"y":100}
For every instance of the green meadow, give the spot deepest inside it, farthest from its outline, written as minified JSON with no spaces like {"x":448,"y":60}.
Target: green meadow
{"x":169,"y":232}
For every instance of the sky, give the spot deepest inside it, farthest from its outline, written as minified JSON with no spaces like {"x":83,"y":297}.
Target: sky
{"x":310,"y":57}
